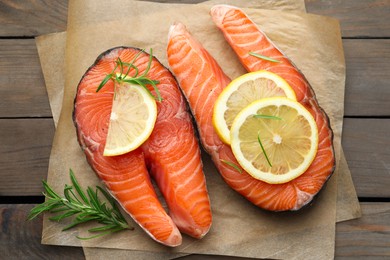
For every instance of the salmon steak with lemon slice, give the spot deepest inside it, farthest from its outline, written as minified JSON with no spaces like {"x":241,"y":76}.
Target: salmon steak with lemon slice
{"x":214,"y":99}
{"x":169,"y":153}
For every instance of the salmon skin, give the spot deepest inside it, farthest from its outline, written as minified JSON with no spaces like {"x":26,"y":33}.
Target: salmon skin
{"x":202,"y":79}
{"x":171,"y":155}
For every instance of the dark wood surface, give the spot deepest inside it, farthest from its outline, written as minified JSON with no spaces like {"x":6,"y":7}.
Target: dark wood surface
{"x":27,"y":128}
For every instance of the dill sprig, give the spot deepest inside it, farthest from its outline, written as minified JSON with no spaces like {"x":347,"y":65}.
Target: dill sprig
{"x":254,"y":54}
{"x":123,"y":75}
{"x":85,"y":207}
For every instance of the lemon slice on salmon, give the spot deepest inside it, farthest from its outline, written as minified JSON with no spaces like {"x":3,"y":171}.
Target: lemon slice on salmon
{"x":241,"y":92}
{"x":132,"y":119}
{"x":274,"y":139}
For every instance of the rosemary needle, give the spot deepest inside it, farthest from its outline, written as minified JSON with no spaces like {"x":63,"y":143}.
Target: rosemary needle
{"x":263,"y":57}
{"x":231,"y":164}
{"x":262,"y":148}
{"x":85,"y":207}
{"x":258,"y":134}
{"x":267,"y":117}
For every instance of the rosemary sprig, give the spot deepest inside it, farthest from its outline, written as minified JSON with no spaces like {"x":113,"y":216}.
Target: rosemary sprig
{"x":123,"y":76}
{"x":85,"y":207}
{"x":231,"y":164}
{"x":263,"y":57}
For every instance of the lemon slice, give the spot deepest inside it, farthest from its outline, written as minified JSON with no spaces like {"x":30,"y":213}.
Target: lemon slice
{"x":241,"y":92}
{"x":132,"y":119}
{"x":274,"y":139}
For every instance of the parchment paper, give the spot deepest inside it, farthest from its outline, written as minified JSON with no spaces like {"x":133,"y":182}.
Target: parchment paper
{"x":211,"y":251}
{"x":51,"y":51}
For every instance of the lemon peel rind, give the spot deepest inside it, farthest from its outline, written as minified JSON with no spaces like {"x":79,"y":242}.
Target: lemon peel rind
{"x":248,"y":167}
{"x":220,"y":107}
{"x":152,"y":108}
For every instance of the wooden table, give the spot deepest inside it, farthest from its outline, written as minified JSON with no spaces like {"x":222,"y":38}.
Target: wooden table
{"x":27,"y":128}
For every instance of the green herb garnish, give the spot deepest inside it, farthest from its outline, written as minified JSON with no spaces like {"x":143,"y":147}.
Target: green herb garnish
{"x":258,"y":133}
{"x":267,"y":117}
{"x":85,"y":207}
{"x":263,"y":57}
{"x":262,"y":148}
{"x":233,"y":165}
{"x":123,"y":75}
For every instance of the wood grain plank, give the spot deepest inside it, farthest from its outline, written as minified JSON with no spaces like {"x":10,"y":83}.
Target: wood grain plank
{"x":26,"y":144}
{"x":363,"y":18}
{"x":32,"y":17}
{"x":21,"y":239}
{"x":367,"y":91}
{"x":358,"y":18}
{"x":22,"y":88}
{"x":366,"y":145}
{"x":367,"y":237}
{"x":360,"y":238}
{"x":24,"y":155}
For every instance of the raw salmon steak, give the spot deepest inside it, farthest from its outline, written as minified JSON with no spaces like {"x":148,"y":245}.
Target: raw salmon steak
{"x":171,"y":155}
{"x":202,"y":79}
